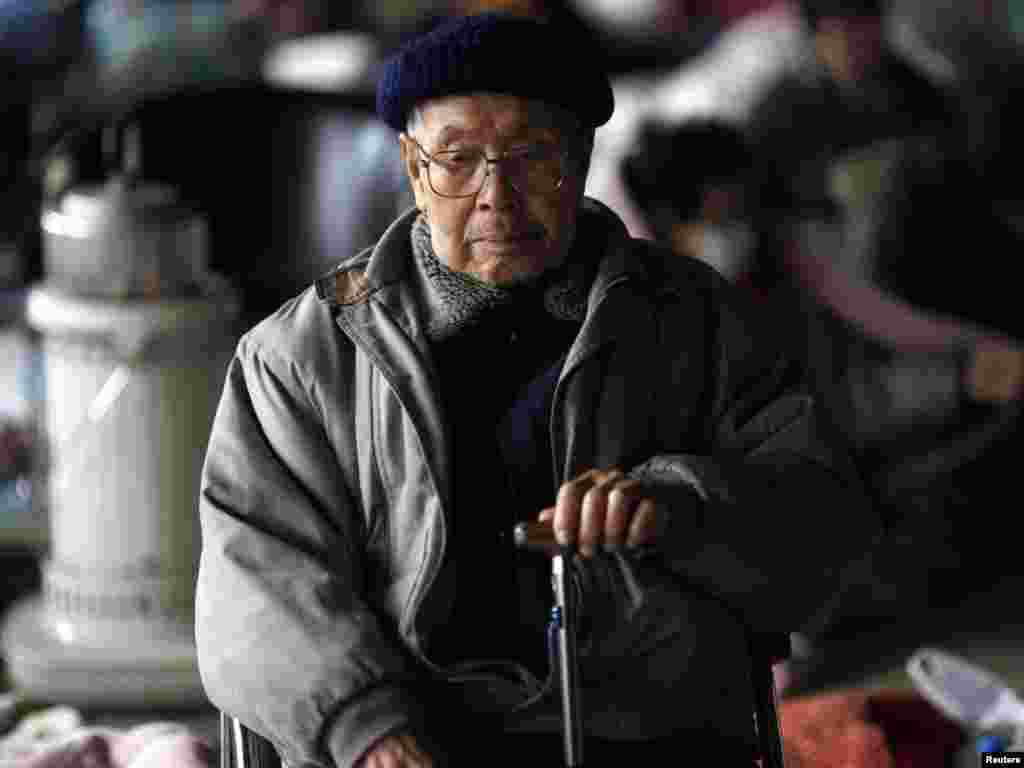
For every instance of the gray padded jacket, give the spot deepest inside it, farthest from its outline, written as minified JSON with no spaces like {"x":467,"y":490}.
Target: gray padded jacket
{"x":326,"y":493}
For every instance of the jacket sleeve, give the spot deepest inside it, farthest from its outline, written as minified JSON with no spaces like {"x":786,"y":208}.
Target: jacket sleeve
{"x":782,"y":513}
{"x":285,"y":640}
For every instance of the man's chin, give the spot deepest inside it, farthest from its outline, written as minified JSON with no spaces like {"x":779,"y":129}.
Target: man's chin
{"x":513,"y":269}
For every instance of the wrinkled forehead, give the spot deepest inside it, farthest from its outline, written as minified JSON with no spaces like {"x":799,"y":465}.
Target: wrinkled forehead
{"x":485,"y":117}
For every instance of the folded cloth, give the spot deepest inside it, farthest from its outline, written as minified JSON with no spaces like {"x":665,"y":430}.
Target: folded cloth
{"x":862,"y":728}
{"x":56,"y":738}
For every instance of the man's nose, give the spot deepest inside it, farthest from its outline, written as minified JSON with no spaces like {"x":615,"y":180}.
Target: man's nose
{"x":498,"y":190}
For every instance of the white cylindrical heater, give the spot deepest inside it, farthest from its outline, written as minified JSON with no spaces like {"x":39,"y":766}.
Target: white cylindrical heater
{"x":133,"y":375}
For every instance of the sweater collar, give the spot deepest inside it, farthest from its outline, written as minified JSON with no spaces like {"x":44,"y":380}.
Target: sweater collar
{"x":458,"y":301}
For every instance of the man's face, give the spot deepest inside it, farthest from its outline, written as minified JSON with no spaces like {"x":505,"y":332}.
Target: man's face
{"x":502,"y":235}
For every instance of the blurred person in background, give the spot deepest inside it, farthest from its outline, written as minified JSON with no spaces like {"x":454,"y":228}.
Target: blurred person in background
{"x":715,"y":86}
{"x":914,"y":349}
{"x":506,"y":352}
{"x":694,"y":181}
{"x":920,"y":356}
{"x":854,"y":90}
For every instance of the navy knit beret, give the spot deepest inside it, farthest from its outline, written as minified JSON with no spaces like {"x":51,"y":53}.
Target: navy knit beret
{"x":497,"y":53}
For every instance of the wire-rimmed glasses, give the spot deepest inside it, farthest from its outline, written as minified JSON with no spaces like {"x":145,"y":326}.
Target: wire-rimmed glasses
{"x":532,"y":169}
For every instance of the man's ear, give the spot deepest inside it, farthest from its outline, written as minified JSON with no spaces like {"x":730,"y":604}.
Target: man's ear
{"x":414,"y":170}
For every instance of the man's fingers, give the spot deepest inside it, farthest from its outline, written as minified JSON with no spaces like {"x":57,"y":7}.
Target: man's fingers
{"x":592,"y":518}
{"x":568,"y":507}
{"x":397,"y":751}
{"x":590,"y":535}
{"x":622,"y":503}
{"x":420,"y":759}
{"x":645,"y":526}
{"x":386,"y":758}
{"x":604,"y":509}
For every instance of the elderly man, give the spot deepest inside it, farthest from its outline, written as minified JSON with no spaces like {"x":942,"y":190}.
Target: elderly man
{"x":507,"y":352}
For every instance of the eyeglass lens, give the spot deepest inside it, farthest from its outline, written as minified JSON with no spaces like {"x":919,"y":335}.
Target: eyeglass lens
{"x":462,"y":173}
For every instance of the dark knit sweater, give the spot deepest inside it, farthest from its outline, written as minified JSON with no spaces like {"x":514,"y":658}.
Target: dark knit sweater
{"x":498,"y":354}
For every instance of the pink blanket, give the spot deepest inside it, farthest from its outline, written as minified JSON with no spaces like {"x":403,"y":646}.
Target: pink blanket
{"x":56,"y":739}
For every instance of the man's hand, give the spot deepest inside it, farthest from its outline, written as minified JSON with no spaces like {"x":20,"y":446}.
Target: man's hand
{"x":605,"y":509}
{"x":400,"y":750}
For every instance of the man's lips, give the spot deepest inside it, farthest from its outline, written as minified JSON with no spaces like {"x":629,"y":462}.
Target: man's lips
{"x":506,"y":237}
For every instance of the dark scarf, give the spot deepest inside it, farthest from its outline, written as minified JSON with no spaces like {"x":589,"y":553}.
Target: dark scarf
{"x":459,"y":301}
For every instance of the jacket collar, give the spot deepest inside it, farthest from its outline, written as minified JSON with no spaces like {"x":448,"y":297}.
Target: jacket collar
{"x":387,"y":274}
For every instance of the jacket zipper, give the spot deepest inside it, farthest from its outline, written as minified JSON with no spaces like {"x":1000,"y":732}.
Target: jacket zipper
{"x":433,"y":565}
{"x":572,"y":364}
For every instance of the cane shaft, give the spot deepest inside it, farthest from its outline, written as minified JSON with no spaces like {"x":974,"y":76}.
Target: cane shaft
{"x":572,"y":718}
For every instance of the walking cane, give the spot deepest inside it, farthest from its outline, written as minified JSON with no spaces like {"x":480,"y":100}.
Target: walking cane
{"x":539,"y":537}
{"x":562,"y":632}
